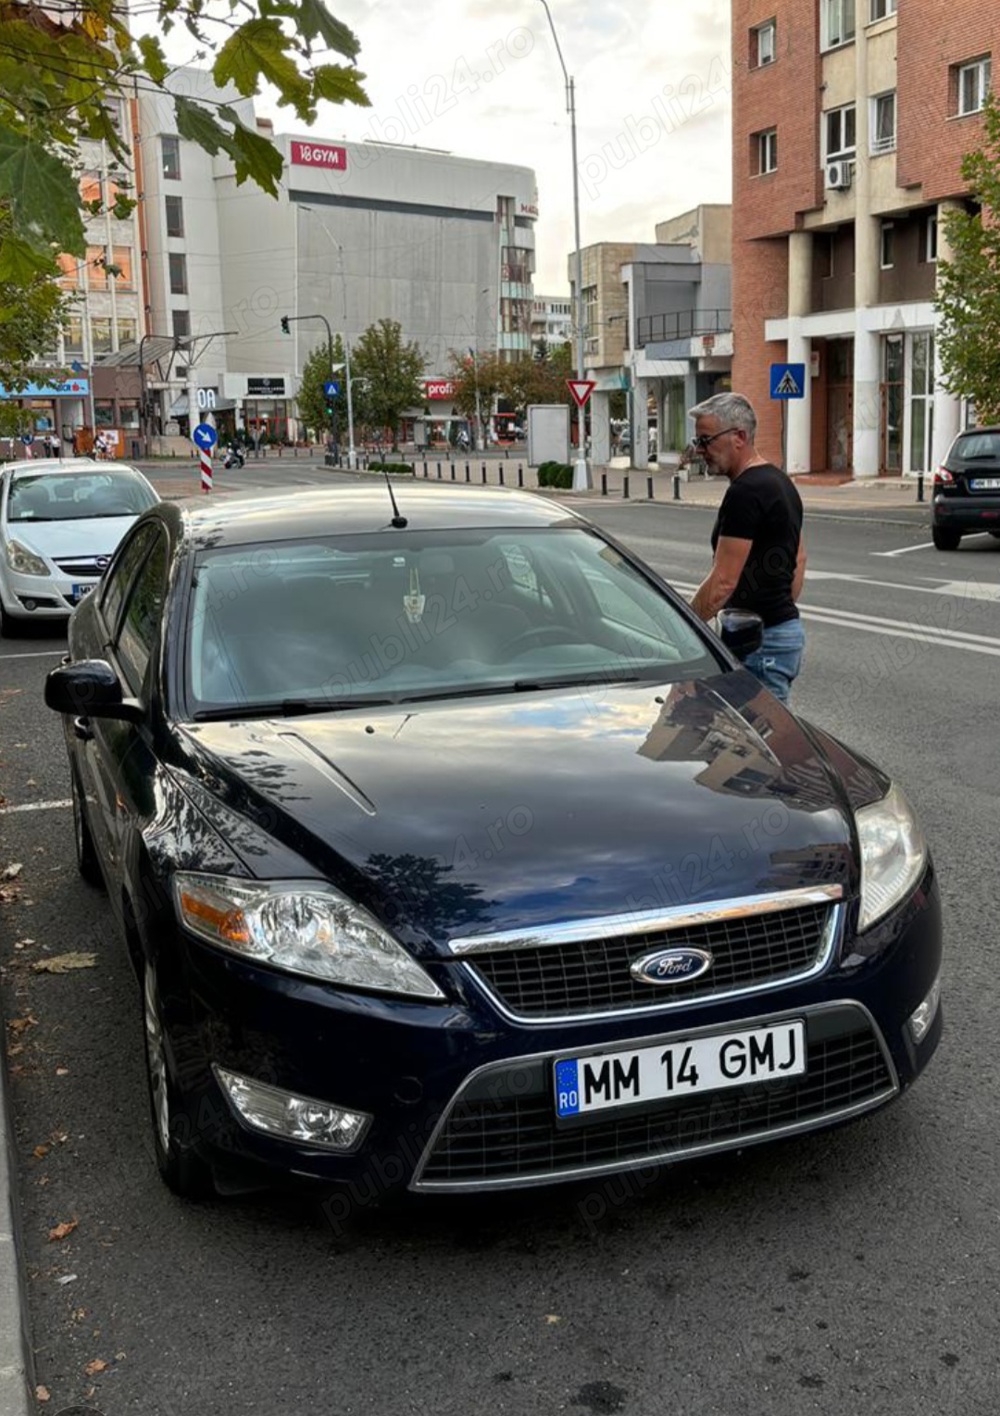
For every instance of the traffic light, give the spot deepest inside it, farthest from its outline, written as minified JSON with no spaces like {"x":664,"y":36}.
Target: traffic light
{"x":285,"y":329}
{"x":329,"y":410}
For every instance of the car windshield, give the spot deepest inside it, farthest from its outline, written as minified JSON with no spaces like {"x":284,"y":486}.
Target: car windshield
{"x":77,"y":496}
{"x":978,"y":447}
{"x":404,"y":616}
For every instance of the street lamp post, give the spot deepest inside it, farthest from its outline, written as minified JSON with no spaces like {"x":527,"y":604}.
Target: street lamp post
{"x":351,"y":456}
{"x":581,"y":473}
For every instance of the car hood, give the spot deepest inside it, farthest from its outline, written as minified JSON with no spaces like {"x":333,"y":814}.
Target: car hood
{"x":60,"y":540}
{"x":479,"y":815}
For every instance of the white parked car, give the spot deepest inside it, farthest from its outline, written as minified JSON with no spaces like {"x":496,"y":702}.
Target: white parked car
{"x":60,"y":523}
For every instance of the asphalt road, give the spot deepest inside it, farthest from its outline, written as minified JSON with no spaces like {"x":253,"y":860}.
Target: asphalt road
{"x":853,"y":1271}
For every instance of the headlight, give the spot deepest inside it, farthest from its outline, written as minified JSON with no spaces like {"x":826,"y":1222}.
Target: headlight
{"x":893,"y":855}
{"x":25,"y":562}
{"x":302,"y":928}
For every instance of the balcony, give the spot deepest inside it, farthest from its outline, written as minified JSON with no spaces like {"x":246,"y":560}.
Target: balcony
{"x":681,"y":324}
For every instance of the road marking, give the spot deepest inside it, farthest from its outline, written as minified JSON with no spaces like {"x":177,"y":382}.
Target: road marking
{"x":35,"y":654}
{"x":924,"y":545}
{"x":962,"y":589}
{"x":37,"y":806}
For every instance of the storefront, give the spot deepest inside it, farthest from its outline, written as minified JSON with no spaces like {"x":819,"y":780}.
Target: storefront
{"x":264,"y":406}
{"x":46,"y":410}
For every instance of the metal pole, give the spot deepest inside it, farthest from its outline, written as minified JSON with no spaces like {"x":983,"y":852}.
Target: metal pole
{"x":581,"y":472}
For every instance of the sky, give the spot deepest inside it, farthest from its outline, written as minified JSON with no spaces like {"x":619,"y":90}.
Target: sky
{"x":653,"y":103}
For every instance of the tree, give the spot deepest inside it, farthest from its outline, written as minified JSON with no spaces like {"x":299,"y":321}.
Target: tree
{"x":478,"y":379}
{"x":312,"y":400}
{"x":387,"y":377}
{"x":60,"y":66}
{"x":968,"y":281}
{"x":30,"y":317}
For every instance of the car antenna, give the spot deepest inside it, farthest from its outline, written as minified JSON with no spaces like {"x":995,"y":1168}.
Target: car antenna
{"x":397,"y":520}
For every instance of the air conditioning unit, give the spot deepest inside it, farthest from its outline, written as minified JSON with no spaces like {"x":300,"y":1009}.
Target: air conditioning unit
{"x":838,"y":176}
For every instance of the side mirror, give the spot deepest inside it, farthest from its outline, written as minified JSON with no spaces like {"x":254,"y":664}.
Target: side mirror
{"x":90,"y":689}
{"x":741,"y":631}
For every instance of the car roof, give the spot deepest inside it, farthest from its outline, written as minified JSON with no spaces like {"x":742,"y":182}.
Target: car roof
{"x":31,"y":467}
{"x":971,"y":432}
{"x":350,"y":510}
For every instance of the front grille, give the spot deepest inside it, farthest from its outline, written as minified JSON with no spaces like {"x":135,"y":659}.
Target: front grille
{"x":512,"y":1138}
{"x":83,"y":565}
{"x":592,"y":975}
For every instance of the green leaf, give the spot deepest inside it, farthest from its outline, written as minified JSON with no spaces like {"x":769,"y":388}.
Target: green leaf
{"x":42,"y":191}
{"x":198,"y":125}
{"x":255,"y":157}
{"x":258,"y":50}
{"x":153,"y":59}
{"x":20,"y":262}
{"x":338,"y":84}
{"x":315,"y":21}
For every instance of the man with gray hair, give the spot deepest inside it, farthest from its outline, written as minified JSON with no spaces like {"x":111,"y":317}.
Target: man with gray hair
{"x":759,"y":556}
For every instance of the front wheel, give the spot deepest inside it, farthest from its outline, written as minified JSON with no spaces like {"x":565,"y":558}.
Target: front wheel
{"x":945,"y":539}
{"x":182,"y":1170}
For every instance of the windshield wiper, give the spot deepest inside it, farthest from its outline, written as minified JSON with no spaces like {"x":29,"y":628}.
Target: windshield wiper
{"x":287,"y":708}
{"x":522,"y":686}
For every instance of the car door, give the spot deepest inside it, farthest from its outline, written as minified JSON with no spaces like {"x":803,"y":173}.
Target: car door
{"x":104,"y":742}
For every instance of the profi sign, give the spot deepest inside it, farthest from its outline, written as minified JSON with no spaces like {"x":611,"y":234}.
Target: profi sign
{"x":438,"y":389}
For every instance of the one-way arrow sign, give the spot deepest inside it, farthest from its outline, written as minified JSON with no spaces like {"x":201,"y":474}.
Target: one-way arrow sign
{"x":581,"y":389}
{"x":788,"y":380}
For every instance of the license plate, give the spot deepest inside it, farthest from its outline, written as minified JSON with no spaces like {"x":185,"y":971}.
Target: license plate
{"x":985,"y":484}
{"x":667,"y":1070}
{"x":79,"y":591}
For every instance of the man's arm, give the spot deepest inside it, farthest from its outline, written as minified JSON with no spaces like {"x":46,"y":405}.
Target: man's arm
{"x":716,"y":589}
{"x":798,"y":578}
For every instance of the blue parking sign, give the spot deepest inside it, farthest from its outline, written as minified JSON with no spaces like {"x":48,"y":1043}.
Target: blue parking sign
{"x":788,"y":380}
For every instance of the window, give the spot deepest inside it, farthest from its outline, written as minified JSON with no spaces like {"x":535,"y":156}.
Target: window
{"x":930,"y":238}
{"x":182,"y":323}
{"x":763,"y":45}
{"x":117,"y":580}
{"x":836,"y":22}
{"x":170,"y":152}
{"x":143,"y":612}
{"x":122,"y":260}
{"x":73,"y":335}
{"x":97,"y":272}
{"x":590,"y":310}
{"x":883,"y":123}
{"x":887,"y":245}
{"x":881,"y":9}
{"x":70,"y":267}
{"x":841,"y":128}
{"x":178,"y":273}
{"x":175,"y":216}
{"x":767,"y":151}
{"x":90,"y":187}
{"x":126,"y":332}
{"x":823,"y":254}
{"x":100,"y":334}
{"x":974,"y":85}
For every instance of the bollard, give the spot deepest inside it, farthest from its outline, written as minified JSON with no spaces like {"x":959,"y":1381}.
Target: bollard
{"x":425,"y":466}
{"x":439,"y":471}
{"x":500,"y":471}
{"x":468,"y":473}
{"x":625,"y":487}
{"x":920,"y":486}
{"x":677,"y":486}
{"x":520,"y":475}
{"x":604,"y":484}
{"x":484,"y":474}
{"x":649,"y":488}
{"x":452,"y":466}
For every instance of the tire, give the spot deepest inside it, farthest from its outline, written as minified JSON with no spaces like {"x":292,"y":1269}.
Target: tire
{"x":181,"y":1170}
{"x":86,"y":853}
{"x":10,"y":627}
{"x":945,"y":539}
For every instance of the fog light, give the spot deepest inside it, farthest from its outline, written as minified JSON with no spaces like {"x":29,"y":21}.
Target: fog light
{"x":294,"y":1118}
{"x":920,"y":1021}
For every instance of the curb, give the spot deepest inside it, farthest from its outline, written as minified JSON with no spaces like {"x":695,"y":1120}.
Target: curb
{"x":16,"y":1368}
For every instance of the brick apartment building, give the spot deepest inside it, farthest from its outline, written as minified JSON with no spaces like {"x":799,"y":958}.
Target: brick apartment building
{"x":850,"y":119}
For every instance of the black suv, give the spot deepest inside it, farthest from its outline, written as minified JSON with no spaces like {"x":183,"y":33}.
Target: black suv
{"x":967,"y":488}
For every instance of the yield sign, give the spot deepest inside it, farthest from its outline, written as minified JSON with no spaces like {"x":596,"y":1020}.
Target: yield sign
{"x":581,"y":389}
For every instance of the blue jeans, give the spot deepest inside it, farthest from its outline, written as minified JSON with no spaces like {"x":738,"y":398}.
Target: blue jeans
{"x":778,"y":660}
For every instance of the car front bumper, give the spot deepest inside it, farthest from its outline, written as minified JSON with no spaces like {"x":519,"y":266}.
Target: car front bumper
{"x":462,"y":1099}
{"x":42,"y":597}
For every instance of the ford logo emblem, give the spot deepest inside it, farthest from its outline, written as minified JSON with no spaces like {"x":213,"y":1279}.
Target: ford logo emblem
{"x":671,"y":966}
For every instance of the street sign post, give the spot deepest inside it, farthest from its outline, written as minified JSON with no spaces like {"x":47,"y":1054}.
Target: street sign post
{"x":581,"y":389}
{"x":787,"y":381}
{"x":205,"y":436}
{"x":331,"y":388}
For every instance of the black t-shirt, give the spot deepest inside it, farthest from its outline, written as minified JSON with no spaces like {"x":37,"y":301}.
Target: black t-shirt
{"x":763,"y":506}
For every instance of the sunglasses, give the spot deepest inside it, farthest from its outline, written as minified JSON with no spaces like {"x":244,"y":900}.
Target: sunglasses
{"x":703,"y":441}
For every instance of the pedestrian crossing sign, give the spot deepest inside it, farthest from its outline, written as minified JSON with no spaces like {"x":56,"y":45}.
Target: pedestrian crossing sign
{"x":788,"y":380}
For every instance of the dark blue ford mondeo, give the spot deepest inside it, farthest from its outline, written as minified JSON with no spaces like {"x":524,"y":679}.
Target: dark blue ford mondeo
{"x":454,"y":853}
